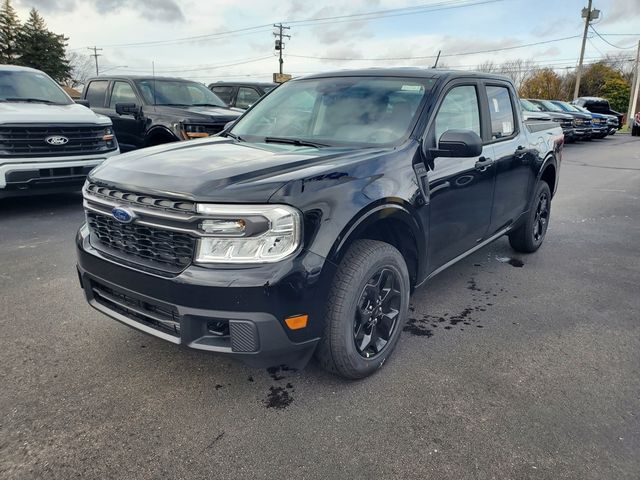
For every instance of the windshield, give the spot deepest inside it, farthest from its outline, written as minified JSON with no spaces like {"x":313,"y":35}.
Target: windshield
{"x":529,"y":106}
{"x":177,"y":92}
{"x":566,"y":107}
{"x":550,"y":106}
{"x":30,"y":86}
{"x":337,"y":111}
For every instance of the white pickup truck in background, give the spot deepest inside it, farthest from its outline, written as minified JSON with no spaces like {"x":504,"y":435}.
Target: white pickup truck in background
{"x":48,"y":143}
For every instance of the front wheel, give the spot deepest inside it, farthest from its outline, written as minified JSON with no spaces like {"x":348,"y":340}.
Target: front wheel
{"x":529,"y":236}
{"x":366,"y":310}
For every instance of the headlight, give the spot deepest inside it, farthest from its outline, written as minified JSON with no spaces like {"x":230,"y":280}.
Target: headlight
{"x":194,"y":131}
{"x":248,"y":233}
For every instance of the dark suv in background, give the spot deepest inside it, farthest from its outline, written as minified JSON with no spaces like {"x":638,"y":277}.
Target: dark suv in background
{"x":599,"y":105}
{"x":581,"y":121}
{"x":148,"y":111}
{"x":241,"y":94}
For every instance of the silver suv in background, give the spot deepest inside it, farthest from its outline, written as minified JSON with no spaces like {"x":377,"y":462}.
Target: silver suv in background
{"x":48,"y":143}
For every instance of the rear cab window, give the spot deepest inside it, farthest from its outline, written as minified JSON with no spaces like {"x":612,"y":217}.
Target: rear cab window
{"x":503,"y":120}
{"x":224,"y":92}
{"x":96,"y":93}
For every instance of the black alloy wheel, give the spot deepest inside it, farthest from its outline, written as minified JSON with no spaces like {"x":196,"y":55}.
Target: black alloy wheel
{"x":376,"y":317}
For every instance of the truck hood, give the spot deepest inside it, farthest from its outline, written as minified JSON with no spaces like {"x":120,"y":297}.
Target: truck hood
{"x":22,"y":112}
{"x":219,"y":169}
{"x":216,"y":114}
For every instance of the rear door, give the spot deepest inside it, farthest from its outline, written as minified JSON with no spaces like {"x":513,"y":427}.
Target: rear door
{"x":514,"y":158}
{"x":460,"y":189}
{"x":96,"y":94}
{"x":128,"y":127}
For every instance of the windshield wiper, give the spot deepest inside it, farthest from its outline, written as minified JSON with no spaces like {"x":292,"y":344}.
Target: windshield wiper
{"x":206,"y":105}
{"x":294,"y":141}
{"x":26,"y":99}
{"x":237,"y":138}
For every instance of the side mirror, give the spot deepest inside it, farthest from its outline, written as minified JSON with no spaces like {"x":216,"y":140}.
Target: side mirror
{"x":127,"y":109}
{"x":457,"y":143}
{"x":84,"y":103}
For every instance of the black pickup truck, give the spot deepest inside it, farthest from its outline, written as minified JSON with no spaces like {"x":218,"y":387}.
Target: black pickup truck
{"x":305,"y":226}
{"x":149,"y":111}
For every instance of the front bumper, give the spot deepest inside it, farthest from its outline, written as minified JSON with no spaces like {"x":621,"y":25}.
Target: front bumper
{"x":26,"y":176}
{"x":236,"y":311}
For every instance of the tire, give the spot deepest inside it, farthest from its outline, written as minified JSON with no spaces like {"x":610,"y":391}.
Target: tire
{"x":369,"y":270}
{"x":529,"y":236}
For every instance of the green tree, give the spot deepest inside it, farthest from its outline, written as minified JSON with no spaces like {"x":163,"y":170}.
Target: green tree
{"x":42,"y":49}
{"x":617,"y":91}
{"x":544,"y":84}
{"x":9,"y":31}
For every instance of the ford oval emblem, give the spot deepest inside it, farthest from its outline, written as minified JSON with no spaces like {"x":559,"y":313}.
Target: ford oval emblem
{"x":56,"y":140}
{"x":123,"y":215}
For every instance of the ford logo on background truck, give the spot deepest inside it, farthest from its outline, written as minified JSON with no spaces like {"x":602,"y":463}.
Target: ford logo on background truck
{"x":56,"y":140}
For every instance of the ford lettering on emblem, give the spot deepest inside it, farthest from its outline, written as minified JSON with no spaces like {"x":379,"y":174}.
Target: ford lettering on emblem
{"x":123,"y":215}
{"x":56,"y":140}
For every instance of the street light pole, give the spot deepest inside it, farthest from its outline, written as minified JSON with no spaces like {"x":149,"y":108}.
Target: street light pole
{"x":635,"y":88}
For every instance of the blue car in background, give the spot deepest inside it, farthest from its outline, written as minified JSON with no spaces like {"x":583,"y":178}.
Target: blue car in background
{"x":599,"y":126}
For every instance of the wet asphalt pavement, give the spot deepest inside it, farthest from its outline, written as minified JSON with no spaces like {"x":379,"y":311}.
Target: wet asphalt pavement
{"x":511,"y":367}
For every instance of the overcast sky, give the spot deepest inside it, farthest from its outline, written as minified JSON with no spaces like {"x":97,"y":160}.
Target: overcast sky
{"x":418,"y":33}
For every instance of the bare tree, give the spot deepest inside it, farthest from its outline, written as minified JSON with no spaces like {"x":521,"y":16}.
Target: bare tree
{"x":487,"y":67}
{"x":518,"y":70}
{"x":82,"y":68}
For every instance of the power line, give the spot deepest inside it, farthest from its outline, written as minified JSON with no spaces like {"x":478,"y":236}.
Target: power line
{"x":608,"y":42}
{"x":364,"y":16}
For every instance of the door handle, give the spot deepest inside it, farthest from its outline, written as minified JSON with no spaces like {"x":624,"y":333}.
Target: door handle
{"x":483,"y":163}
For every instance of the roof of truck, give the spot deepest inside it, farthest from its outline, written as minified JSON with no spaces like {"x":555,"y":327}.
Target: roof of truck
{"x":17,"y":68}
{"x":415,"y":72}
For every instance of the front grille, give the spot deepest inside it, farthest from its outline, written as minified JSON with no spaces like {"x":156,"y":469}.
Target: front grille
{"x":159,"y":317}
{"x":141,"y":200}
{"x":566,"y":124}
{"x":29,"y":141}
{"x":166,"y":250}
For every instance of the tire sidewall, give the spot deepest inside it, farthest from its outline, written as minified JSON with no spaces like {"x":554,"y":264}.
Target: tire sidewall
{"x":543,"y":187}
{"x":366,"y":366}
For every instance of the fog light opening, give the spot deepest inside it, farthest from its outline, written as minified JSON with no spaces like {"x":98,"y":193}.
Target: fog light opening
{"x":218,"y":328}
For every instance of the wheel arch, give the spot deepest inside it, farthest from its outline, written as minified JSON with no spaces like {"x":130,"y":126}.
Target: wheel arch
{"x":159,"y":132}
{"x":391,"y":221}
{"x":549,"y":173}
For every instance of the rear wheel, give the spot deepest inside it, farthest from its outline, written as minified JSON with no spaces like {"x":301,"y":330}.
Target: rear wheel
{"x":366,"y":310}
{"x":529,"y":236}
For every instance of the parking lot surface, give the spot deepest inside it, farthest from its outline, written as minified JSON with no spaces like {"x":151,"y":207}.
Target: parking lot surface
{"x":511,"y":366}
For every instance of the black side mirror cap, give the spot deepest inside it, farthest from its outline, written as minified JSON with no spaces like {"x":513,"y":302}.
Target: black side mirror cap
{"x":127,"y":109}
{"x":458,"y":143}
{"x":84,"y":103}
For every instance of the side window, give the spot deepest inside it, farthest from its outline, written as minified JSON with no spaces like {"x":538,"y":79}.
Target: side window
{"x":501,"y":112}
{"x":224,"y":92}
{"x":96,"y":92}
{"x":459,"y":111}
{"x":246,"y":97}
{"x":122,"y":93}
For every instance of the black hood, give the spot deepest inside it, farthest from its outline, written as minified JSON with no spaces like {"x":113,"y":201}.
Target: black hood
{"x":194,"y":114}
{"x":219,"y":169}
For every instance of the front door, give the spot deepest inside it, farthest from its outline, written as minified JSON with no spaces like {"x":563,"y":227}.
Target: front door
{"x":460,"y":189}
{"x":127,"y":127}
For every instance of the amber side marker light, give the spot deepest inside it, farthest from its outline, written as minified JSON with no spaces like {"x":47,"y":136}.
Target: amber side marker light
{"x":297,"y":322}
{"x":107,"y":138}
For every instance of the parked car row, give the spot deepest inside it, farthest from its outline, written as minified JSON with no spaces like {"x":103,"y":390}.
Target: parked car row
{"x":577,"y":122}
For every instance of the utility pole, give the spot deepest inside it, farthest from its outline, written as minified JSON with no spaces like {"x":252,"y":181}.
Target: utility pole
{"x":279,"y":42}
{"x":96,"y":55}
{"x":635,"y":88}
{"x":588,"y":14}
